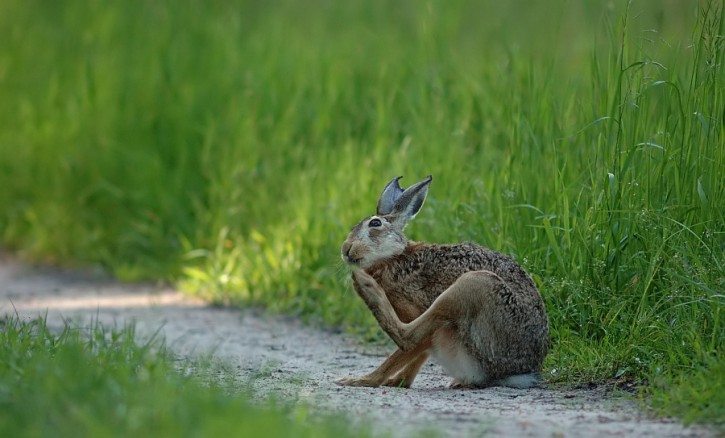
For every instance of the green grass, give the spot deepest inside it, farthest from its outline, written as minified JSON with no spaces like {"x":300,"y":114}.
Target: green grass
{"x":230,"y":147}
{"x":95,"y":382}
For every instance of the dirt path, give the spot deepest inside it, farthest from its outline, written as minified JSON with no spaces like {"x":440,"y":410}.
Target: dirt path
{"x":301,"y":364}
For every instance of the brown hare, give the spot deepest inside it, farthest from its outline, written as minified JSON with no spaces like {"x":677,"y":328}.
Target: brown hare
{"x":473,"y":309}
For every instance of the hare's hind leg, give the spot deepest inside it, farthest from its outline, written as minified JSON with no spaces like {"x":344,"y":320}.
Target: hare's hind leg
{"x":405,"y":363}
{"x":454,"y":308}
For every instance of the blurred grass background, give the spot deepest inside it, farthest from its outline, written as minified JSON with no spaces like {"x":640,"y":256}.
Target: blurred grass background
{"x":96,"y":382}
{"x":230,"y":146}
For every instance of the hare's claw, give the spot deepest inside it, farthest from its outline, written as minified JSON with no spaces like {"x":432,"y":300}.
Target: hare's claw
{"x":357,"y":381}
{"x":367,"y":382}
{"x":457,"y":384}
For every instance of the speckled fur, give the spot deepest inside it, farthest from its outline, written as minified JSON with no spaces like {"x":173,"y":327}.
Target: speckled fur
{"x":473,"y":308}
{"x":415,"y":278}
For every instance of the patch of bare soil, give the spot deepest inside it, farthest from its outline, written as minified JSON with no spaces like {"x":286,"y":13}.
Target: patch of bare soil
{"x":301,"y":364}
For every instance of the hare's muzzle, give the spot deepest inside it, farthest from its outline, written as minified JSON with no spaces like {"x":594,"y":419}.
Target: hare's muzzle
{"x":346,"y":247}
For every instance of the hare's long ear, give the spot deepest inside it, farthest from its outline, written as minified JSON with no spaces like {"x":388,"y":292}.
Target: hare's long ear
{"x":391,"y":193}
{"x":409,"y":203}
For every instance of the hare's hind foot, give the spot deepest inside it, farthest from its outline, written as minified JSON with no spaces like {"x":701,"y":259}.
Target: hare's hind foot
{"x":520,"y":381}
{"x":459,"y":384}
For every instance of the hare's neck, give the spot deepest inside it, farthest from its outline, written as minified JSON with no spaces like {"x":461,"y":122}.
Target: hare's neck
{"x":398,"y":265}
{"x":400,"y":277}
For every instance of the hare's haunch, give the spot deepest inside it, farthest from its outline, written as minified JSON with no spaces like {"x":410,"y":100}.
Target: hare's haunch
{"x":473,"y":309}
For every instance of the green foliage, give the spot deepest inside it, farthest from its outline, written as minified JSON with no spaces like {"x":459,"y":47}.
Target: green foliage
{"x":93,"y":382}
{"x":232,"y":146}
{"x":698,"y":395}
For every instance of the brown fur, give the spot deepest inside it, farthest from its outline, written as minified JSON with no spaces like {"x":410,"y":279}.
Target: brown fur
{"x":475,"y":309}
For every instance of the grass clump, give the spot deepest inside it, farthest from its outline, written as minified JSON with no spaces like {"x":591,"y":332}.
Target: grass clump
{"x":231,"y":146}
{"x":94,"y":382}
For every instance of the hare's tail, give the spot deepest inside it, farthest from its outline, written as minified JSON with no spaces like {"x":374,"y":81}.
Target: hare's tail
{"x":521,"y":381}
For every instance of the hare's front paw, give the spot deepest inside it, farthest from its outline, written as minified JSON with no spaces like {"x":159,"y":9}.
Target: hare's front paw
{"x":359,"y":381}
{"x":364,"y":279}
{"x":367,"y":286}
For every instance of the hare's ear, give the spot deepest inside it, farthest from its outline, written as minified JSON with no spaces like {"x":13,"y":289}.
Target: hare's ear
{"x":391,"y":193}
{"x":409,"y":203}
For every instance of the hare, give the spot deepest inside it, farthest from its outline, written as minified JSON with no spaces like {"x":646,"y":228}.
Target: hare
{"x":473,"y":309}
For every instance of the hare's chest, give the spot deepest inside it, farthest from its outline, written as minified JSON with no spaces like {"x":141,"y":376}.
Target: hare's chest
{"x":407,"y":298}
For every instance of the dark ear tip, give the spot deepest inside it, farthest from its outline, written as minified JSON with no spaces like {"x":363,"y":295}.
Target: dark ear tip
{"x":396,"y":183}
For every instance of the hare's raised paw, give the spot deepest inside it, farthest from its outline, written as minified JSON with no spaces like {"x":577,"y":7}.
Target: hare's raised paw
{"x":357,"y":381}
{"x":364,"y":279}
{"x":368,"y":288}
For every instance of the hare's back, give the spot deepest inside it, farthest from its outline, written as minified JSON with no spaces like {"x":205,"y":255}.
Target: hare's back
{"x":448,"y":262}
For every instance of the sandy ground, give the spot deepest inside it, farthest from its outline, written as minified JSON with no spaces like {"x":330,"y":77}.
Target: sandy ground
{"x":301,"y":364}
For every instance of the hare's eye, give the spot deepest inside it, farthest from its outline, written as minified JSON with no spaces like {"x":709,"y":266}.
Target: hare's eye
{"x":375,"y":223}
